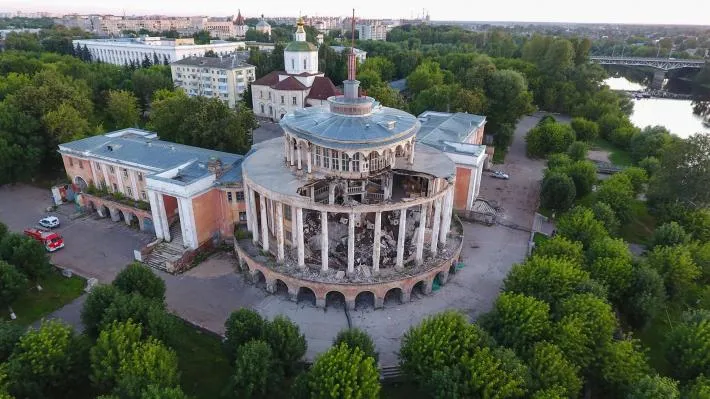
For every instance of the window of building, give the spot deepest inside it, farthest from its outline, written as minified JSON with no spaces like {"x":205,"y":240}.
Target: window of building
{"x":294,"y":100}
{"x":262,"y":108}
{"x":240,"y":196}
{"x":125,"y":172}
{"x":335,"y":161}
{"x":242,"y":216}
{"x":304,"y":64}
{"x":287,"y":212}
{"x":115,"y":187}
{"x":110,"y":169}
{"x":356,"y":162}
{"x":269,"y":95}
{"x":317,"y":160}
{"x":129,"y":192}
{"x":140,"y":176}
{"x":345,"y":160}
{"x":144,"y":196}
{"x":229,"y":196}
{"x":326,"y":158}
{"x":71,"y":162}
{"x":293,"y":63}
{"x":282,"y":99}
{"x":81,"y":164}
{"x":97,"y":165}
{"x":287,"y":236}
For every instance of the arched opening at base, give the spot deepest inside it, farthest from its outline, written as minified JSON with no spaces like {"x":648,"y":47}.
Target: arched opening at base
{"x":418,"y":290}
{"x":306,"y":295}
{"x":393,"y":297}
{"x":103,"y":211}
{"x":259,"y":279}
{"x":148,"y":225}
{"x":281,"y":289}
{"x":335,"y":299}
{"x":452,"y":269}
{"x":365,"y":300}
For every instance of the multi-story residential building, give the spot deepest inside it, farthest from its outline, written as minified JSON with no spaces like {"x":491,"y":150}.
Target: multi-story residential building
{"x":300,"y":85}
{"x":372,"y":31}
{"x":360,"y":55}
{"x":225,"y":78}
{"x":125,"y":51}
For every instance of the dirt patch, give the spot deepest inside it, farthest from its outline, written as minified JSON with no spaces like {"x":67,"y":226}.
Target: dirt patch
{"x":217,"y":265}
{"x":598,"y":155}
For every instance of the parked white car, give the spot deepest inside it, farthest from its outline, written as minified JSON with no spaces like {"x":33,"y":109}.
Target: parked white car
{"x":49,"y":222}
{"x":500,"y":175}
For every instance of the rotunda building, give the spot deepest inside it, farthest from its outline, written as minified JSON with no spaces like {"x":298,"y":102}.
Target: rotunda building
{"x":347,"y":204}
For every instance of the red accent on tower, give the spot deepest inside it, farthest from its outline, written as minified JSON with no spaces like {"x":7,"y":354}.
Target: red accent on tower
{"x":351,"y":58}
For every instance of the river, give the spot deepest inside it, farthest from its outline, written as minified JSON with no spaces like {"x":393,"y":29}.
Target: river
{"x":676,"y":115}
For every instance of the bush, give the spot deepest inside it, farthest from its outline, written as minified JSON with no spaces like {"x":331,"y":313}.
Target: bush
{"x":669,"y":235}
{"x":638,"y":178}
{"x":651,"y":165}
{"x":255,"y":375}
{"x":686,"y":346}
{"x":603,"y":212}
{"x":10,"y":334}
{"x":518,"y":321}
{"x":579,"y":224}
{"x":558,"y":160}
{"x":558,"y":192}
{"x":242,"y":326}
{"x":584,"y":129}
{"x":550,"y":368}
{"x":584,"y":175}
{"x":618,"y":192}
{"x":560,"y":247}
{"x":12,"y":284}
{"x":344,"y":372}
{"x":356,"y":338}
{"x":655,"y":387}
{"x":141,"y":280}
{"x":287,"y":343}
{"x":548,"y":138}
{"x":577,"y":151}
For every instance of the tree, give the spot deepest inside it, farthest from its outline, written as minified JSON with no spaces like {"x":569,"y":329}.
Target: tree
{"x":344,"y":372}
{"x":518,"y":321}
{"x":426,"y":75}
{"x":651,"y":165}
{"x":387,"y":96}
{"x":356,"y":338}
{"x":699,"y":389}
{"x":584,"y":129}
{"x":577,"y":151}
{"x":669,"y":234}
{"x":618,"y":193}
{"x":646,"y":296}
{"x":122,"y":107}
{"x":584,"y":175}
{"x":158,"y":392}
{"x":580,"y":225}
{"x":697,"y":224}
{"x":27,"y":255}
{"x":254,"y":375}
{"x":384,"y":67}
{"x":92,"y":313}
{"x":66,"y":123}
{"x":686,"y":346}
{"x":147,"y":81}
{"x":139,"y":279}
{"x":558,"y":192}
{"x":50,"y":362}
{"x":508,"y":96}
{"x":369,"y":78}
{"x":607,"y":247}
{"x":558,"y":161}
{"x":549,"y":279}
{"x":146,"y":62}
{"x":650,"y":142}
{"x":12,"y":284}
{"x":560,"y":247}
{"x":550,"y":368}
{"x":3,"y":230}
{"x":113,"y":347}
{"x":493,"y":372}
{"x":150,"y":364}
{"x":149,"y":313}
{"x":603,"y":212}
{"x":676,"y":266}
{"x":10,"y":335}
{"x":684,"y":175}
{"x":655,"y":387}
{"x":242,"y":326}
{"x":623,"y":365}
{"x":286,"y":342}
{"x":548,"y":138}
{"x":638,"y":178}
{"x":615,"y":273}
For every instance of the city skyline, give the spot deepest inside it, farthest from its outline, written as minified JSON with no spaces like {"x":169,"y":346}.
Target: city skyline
{"x":604,"y":11}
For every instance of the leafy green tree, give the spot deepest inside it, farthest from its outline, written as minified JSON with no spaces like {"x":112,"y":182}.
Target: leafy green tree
{"x":645,"y":296}
{"x":594,"y":321}
{"x":3,"y":230}
{"x":603,"y":212}
{"x":650,"y":142}
{"x":12,"y":284}
{"x":242,"y":326}
{"x":428,"y":74}
{"x":50,"y":362}
{"x":356,"y":338}
{"x":669,"y":234}
{"x":549,"y":368}
{"x":555,"y":392}
{"x":66,"y":123}
{"x":651,"y":165}
{"x":548,"y":138}
{"x":254,"y":375}
{"x":699,"y":389}
{"x":149,"y":313}
{"x":685,"y":172}
{"x":286,"y":342}
{"x":572,"y":335}
{"x":10,"y":335}
{"x":584,"y":175}
{"x":92,"y":313}
{"x":139,"y":279}
{"x":558,"y":192}
{"x":618,"y":192}
{"x":697,"y":224}
{"x":584,"y":129}
{"x":369,"y":78}
{"x":509,"y":98}
{"x":549,"y":279}
{"x":686,"y":346}
{"x":148,"y":80}
{"x":560,"y":247}
{"x":158,"y":392}
{"x":114,"y":346}
{"x":676,"y":266}
{"x":344,"y":372}
{"x":578,"y":150}
{"x":518,"y":321}
{"x":623,"y":366}
{"x":383,"y":66}
{"x":122,"y":107}
{"x":638,"y":178}
{"x":615,"y":273}
{"x":150,"y":364}
{"x":579,"y":224}
{"x":558,"y":161}
{"x":655,"y":387}
{"x":387,"y":96}
{"x":27,"y":255}
{"x":607,"y":247}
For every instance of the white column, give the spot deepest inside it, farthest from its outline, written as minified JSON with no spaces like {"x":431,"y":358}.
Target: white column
{"x":410,"y":158}
{"x":279,"y":231}
{"x":386,"y":187}
{"x":419,"y":255}
{"x":376,"y":243}
{"x":290,"y":151}
{"x":446,"y":216}
{"x":104,"y":168}
{"x":324,"y":240}
{"x":155,"y":212}
{"x":309,"y":155}
{"x":187,"y":223}
{"x":299,"y":233}
{"x":93,"y":173}
{"x":351,"y":243}
{"x":435,"y":228}
{"x":299,"y":150}
{"x":255,"y":217}
{"x":264,"y":224}
{"x":286,"y":151}
{"x":247,"y":204}
{"x":119,"y":178}
{"x":165,"y":223}
{"x":134,"y":185}
{"x":400,"y":238}
{"x":331,"y":193}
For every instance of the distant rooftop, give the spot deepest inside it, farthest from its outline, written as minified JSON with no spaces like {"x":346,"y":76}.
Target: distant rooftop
{"x":399,"y":85}
{"x":438,"y":127}
{"x":340,"y":49}
{"x":301,"y":46}
{"x":143,"y":149}
{"x":229,"y":62}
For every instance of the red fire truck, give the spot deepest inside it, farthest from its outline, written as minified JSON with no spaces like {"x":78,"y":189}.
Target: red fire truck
{"x":51,"y":240}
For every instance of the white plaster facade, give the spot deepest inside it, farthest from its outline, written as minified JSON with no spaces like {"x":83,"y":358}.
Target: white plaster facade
{"x":225,"y":78}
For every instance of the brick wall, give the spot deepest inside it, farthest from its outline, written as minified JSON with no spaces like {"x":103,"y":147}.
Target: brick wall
{"x":208,"y":214}
{"x":77,"y":167}
{"x":463,"y":180}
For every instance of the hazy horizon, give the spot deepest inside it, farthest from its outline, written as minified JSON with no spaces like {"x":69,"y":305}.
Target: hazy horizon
{"x":554,"y":11}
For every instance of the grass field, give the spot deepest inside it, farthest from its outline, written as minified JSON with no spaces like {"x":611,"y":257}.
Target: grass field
{"x":640,"y":228}
{"x":57,"y":291}
{"x":617,"y":156}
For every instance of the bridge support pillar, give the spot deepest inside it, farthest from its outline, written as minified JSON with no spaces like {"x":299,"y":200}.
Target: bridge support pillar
{"x":658,"y":77}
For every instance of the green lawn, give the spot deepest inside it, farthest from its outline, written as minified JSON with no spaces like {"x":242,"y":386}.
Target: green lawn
{"x":654,"y":335}
{"x":57,"y":291}
{"x":539,"y":238}
{"x":617,"y":156}
{"x":640,"y":228}
{"x":204,"y":369}
{"x":499,"y":155}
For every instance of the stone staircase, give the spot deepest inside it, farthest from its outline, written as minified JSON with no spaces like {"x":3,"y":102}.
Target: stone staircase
{"x":167,"y":252}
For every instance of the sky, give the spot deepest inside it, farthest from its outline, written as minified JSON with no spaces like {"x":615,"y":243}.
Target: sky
{"x":691,"y":12}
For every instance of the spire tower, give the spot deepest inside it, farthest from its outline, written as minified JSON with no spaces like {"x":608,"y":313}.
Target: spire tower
{"x":351,"y":57}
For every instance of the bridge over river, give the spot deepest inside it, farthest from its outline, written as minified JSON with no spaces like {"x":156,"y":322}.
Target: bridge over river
{"x":662,"y":65}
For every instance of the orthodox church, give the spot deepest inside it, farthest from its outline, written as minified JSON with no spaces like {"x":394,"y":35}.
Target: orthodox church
{"x":300,"y":85}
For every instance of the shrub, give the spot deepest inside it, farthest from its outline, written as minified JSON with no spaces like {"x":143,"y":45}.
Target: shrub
{"x":140,"y":279}
{"x":604,"y":213}
{"x":241,"y":327}
{"x":584,"y":175}
{"x":356,"y":338}
{"x":255,"y":375}
{"x":558,"y":160}
{"x":669,"y":235}
{"x":579,"y":224}
{"x":577,"y":151}
{"x":518,"y":321}
{"x":287,"y":343}
{"x":344,"y":372}
{"x":584,"y":129}
{"x":560,"y":247}
{"x":558,"y":192}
